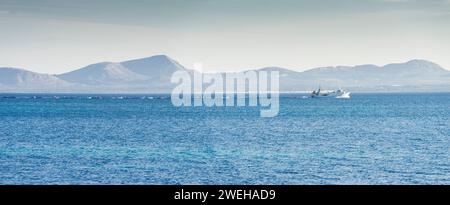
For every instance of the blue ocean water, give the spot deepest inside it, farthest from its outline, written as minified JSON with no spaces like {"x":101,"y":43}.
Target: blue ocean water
{"x":143,"y":139}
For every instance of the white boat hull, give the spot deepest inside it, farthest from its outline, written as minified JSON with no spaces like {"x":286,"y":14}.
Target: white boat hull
{"x":345,"y":95}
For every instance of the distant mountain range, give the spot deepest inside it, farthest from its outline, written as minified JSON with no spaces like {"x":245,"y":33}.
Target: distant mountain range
{"x":153,"y":74}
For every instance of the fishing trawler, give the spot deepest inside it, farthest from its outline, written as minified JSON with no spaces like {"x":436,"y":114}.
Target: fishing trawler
{"x":319,"y":93}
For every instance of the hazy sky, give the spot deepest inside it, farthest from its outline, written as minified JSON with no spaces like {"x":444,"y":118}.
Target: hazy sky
{"x":55,"y":36}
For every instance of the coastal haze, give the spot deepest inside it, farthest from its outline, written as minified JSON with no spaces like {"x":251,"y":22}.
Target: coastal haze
{"x":153,"y":74}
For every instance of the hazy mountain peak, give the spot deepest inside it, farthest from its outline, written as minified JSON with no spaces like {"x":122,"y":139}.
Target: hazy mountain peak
{"x":419,"y":67}
{"x":279,"y":69}
{"x":101,"y":73}
{"x":162,"y":57}
{"x":425,"y":64}
{"x":415,"y":62}
{"x":144,"y":71}
{"x":420,"y":62}
{"x":159,"y":65}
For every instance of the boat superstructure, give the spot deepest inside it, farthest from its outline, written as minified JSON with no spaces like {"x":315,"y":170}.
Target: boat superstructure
{"x":320,"y":93}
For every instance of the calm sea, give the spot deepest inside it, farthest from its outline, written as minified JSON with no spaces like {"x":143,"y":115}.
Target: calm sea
{"x":143,"y":139}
